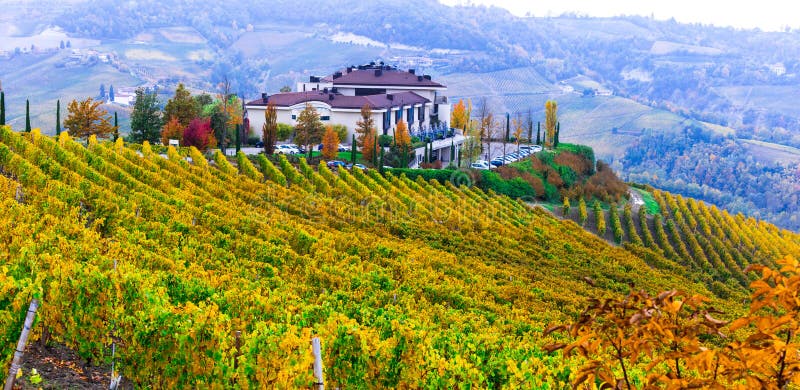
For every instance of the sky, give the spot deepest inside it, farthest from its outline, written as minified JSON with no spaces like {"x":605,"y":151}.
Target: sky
{"x":768,"y":15}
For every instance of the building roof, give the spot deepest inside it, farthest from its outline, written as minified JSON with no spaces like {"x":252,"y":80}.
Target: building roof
{"x":383,"y":76}
{"x":335,"y":100}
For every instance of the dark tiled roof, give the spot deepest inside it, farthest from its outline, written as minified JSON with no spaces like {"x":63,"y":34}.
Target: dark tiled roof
{"x":288,"y":99}
{"x":387,"y":77}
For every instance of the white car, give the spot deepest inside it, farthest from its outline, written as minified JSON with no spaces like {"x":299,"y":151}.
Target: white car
{"x":480,"y":164}
{"x":286,"y":149}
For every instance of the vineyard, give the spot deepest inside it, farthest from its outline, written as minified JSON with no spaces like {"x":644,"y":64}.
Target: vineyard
{"x":218,"y":273}
{"x":712,"y":245}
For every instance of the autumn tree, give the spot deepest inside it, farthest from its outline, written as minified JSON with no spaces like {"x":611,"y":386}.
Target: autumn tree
{"x":182,"y":106}
{"x":173,"y":129}
{"x":583,"y":214}
{"x":270,"y":128}
{"x":309,"y":127}
{"x":330,"y":144}
{"x":365,"y":126}
{"x":519,"y":128}
{"x":369,"y":148}
{"x":460,"y":115}
{"x":675,"y":340}
{"x":550,"y":120}
{"x":402,"y":144}
{"x":86,"y":118}
{"x":146,"y":118}
{"x":199,"y":134}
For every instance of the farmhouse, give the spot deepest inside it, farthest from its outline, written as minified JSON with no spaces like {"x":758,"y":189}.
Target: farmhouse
{"x":392,"y":95}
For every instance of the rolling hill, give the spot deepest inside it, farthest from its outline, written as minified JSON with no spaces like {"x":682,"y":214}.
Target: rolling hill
{"x":407,"y":283}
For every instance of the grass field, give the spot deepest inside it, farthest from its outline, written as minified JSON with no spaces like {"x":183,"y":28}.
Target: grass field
{"x":766,"y":152}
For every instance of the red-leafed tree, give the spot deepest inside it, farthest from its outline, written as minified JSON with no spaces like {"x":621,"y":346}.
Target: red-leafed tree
{"x":199,"y":134}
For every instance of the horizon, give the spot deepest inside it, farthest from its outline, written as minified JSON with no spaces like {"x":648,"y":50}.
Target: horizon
{"x":767,"y":15}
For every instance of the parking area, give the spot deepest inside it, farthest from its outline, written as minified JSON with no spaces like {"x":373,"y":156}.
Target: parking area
{"x":499,"y":155}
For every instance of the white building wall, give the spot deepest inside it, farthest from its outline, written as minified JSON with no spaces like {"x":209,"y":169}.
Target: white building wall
{"x":348,"y":118}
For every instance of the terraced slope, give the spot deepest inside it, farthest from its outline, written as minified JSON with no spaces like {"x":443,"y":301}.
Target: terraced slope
{"x":407,"y":283}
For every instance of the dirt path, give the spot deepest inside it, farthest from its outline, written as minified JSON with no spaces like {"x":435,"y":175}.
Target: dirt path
{"x":636,"y":199}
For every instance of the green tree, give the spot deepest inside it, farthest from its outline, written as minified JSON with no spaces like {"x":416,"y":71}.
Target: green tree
{"x":58,"y":117}
{"x":116,"y":127}
{"x":182,"y":106}
{"x":551,"y":118}
{"x":146,"y":119}
{"x":538,"y":133}
{"x":353,"y":150}
{"x":27,"y":116}
{"x":270,"y":128}
{"x":2,"y":108}
{"x":309,"y":127}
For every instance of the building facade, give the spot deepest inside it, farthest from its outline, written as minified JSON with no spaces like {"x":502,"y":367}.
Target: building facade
{"x":390,"y":93}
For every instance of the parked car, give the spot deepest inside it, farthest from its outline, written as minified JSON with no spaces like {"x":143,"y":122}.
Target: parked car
{"x":497,"y":161}
{"x":260,"y":144}
{"x":357,"y":166}
{"x":336,"y":164}
{"x":344,"y":148}
{"x":480,"y":164}
{"x":286,"y":149}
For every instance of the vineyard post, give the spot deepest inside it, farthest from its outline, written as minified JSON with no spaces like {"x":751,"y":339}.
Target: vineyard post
{"x":238,"y":335}
{"x":23,"y":339}
{"x":319,"y":384}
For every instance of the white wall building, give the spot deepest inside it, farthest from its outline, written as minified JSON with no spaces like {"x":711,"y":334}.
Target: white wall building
{"x":390,"y":93}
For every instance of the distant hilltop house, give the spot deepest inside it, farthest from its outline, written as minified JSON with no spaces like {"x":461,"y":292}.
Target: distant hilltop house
{"x":125,"y":96}
{"x":392,"y":95}
{"x":778,"y":69}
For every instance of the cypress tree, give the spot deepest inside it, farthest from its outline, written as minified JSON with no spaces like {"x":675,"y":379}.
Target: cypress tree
{"x":530,"y":131}
{"x":353,"y":150}
{"x":116,"y":127}
{"x":380,"y":167}
{"x":538,"y":133}
{"x":555,"y":138}
{"x":375,"y":152}
{"x":2,"y":108}
{"x":452,"y":151}
{"x":239,"y":140}
{"x":58,"y":117}
{"x":27,"y":116}
{"x":508,"y":128}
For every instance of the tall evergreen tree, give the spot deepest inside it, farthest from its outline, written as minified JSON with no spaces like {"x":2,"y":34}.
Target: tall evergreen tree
{"x":238,"y":138}
{"x":555,"y":138}
{"x":102,"y":91}
{"x":538,"y":133}
{"x":2,"y":108}
{"x":353,"y":150}
{"x":111,"y":93}
{"x":27,"y":116}
{"x":116,"y":127}
{"x":58,"y":117}
{"x":146,"y":120}
{"x":452,"y":151}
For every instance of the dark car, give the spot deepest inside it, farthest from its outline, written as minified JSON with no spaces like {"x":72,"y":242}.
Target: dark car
{"x":336,"y":164}
{"x":260,"y":144}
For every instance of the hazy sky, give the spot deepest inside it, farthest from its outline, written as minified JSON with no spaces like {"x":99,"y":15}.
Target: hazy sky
{"x":764,"y":14}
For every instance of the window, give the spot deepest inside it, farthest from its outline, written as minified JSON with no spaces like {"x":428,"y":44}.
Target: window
{"x":294,"y":116}
{"x":325,"y":118}
{"x":387,"y":120}
{"x":422,"y":114}
{"x":398,"y":115}
{"x":410,"y":115}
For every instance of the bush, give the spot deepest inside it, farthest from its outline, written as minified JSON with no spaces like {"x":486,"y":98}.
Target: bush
{"x":284,"y":131}
{"x":385,"y":140}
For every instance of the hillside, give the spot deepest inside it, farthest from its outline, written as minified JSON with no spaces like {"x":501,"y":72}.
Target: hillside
{"x":407,"y":283}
